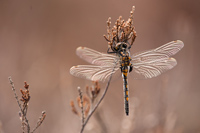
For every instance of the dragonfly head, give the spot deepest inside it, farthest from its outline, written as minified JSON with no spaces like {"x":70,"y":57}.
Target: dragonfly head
{"x":121,"y":46}
{"x":124,"y":46}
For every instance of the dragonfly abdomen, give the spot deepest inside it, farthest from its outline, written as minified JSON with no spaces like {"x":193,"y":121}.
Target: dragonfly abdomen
{"x":124,"y":71}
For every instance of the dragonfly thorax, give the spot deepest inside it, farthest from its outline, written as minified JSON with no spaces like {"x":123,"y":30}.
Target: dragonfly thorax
{"x":125,"y":59}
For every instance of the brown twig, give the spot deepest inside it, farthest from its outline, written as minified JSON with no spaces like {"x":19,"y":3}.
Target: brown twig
{"x":24,"y":107}
{"x":41,"y":119}
{"x":95,"y":107}
{"x":82,"y":111}
{"x":21,"y":110}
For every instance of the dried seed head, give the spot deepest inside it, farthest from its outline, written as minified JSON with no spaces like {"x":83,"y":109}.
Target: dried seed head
{"x":74,"y":110}
{"x":87,"y":110}
{"x":86,"y":100}
{"x":26,"y":86}
{"x":122,"y":31}
{"x":97,"y":87}
{"x":25,"y":94}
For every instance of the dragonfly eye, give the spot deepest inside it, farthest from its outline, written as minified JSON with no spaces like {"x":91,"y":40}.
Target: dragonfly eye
{"x":124,"y":45}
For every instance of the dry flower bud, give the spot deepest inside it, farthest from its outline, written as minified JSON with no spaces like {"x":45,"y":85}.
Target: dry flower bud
{"x":73,"y":107}
{"x":26,"y":86}
{"x":87,"y":110}
{"x":86,"y":100}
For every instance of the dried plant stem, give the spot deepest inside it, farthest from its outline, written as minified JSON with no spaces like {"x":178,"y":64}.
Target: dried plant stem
{"x":22,"y":111}
{"x":82,"y":111}
{"x":95,"y":107}
{"x":41,"y":119}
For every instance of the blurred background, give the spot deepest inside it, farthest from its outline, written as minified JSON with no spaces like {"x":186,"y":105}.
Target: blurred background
{"x":38,"y":40}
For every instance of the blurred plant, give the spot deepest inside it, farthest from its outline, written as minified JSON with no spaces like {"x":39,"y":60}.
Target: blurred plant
{"x":92,"y":93}
{"x":85,"y":102}
{"x":153,"y":125}
{"x":25,"y":98}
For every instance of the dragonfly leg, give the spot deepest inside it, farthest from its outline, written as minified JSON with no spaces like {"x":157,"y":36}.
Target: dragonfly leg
{"x":131,"y":68}
{"x":108,"y":51}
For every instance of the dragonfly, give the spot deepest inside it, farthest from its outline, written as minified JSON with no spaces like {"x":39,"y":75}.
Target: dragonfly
{"x":142,"y":65}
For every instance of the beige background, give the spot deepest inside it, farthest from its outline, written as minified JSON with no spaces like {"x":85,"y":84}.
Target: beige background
{"x":37,"y":44}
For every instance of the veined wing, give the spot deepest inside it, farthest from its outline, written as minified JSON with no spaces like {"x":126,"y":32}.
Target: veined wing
{"x":163,"y":52}
{"x":95,"y":57}
{"x":92,"y":72}
{"x":154,"y":62}
{"x":153,"y":69}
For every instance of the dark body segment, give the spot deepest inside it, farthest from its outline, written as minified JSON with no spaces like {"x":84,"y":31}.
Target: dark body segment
{"x":126,"y":67}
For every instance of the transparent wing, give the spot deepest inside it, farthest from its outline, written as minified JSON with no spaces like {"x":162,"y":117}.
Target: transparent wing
{"x":152,"y":63}
{"x":163,"y":52}
{"x":150,"y":70}
{"x":95,"y":57}
{"x":91,"y":72}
